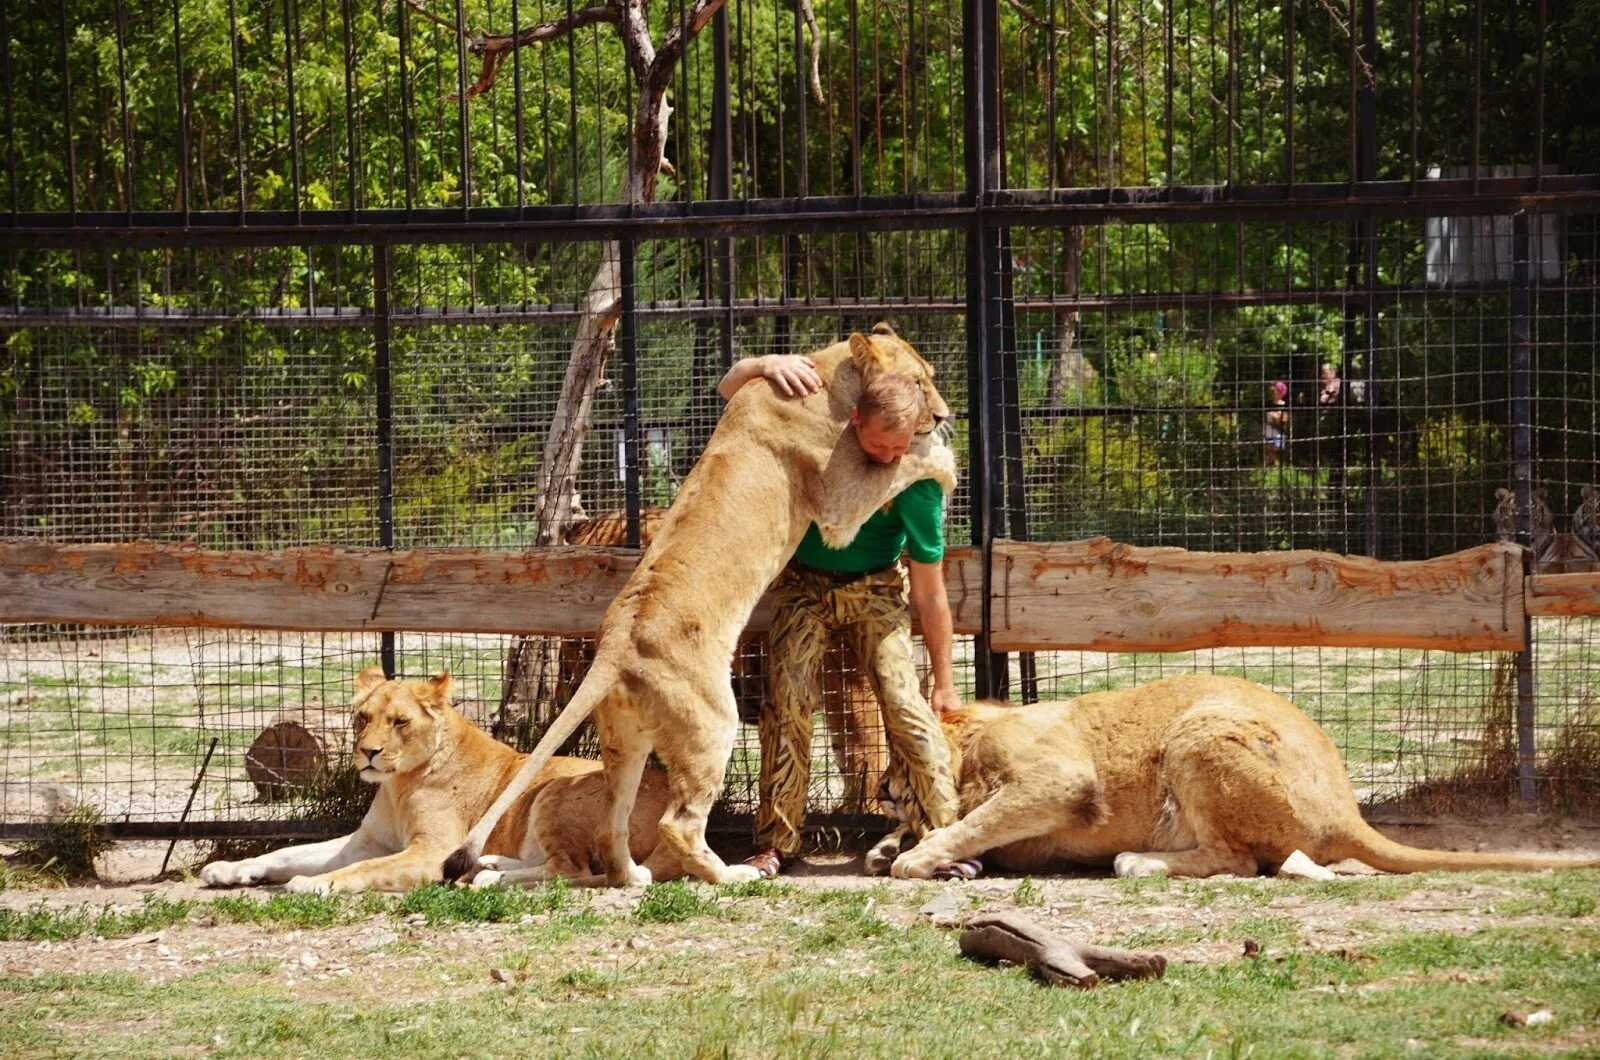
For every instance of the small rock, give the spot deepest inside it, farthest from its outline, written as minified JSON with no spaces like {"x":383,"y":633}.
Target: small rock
{"x":1301,"y":867}
{"x":368,"y":941}
{"x":1252,"y":948}
{"x":943,"y":909}
{"x":638,"y":944}
{"x":502,"y":975}
{"x":218,"y":1041}
{"x":417,"y":919}
{"x":308,"y":960}
{"x":1543,"y":1016}
{"x":1513,"y":1018}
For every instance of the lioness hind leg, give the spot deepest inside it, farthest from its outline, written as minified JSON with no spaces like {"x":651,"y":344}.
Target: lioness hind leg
{"x":1204,"y":861}
{"x":625,"y":752}
{"x":1229,"y":790}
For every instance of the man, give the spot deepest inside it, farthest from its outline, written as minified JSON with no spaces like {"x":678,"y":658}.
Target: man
{"x":860,"y":591}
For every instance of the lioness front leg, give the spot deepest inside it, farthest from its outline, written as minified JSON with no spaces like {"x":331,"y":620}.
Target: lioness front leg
{"x":412,"y":867}
{"x":695,"y":769}
{"x":285,"y":864}
{"x":1046,"y":804}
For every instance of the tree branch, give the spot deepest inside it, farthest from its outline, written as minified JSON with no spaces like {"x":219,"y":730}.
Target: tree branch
{"x":1027,"y":16}
{"x":495,"y":46}
{"x":810,"y":15}
{"x":694,"y":20}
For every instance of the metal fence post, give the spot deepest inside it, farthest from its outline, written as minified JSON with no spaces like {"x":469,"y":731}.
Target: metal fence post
{"x":1522,"y":484}
{"x":982,"y":159}
{"x":385,"y":428}
{"x":628,"y":347}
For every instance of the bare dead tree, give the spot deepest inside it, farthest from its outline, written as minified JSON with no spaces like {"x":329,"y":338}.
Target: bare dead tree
{"x":652,"y":68}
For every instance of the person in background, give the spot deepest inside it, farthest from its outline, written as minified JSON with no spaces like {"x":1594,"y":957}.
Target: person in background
{"x":1329,"y":385}
{"x":1275,"y":431}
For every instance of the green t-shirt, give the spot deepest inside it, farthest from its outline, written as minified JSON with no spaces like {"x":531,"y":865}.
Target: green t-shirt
{"x":913,"y":521}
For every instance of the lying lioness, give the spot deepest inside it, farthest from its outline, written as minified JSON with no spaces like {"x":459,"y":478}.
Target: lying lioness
{"x":660,"y":679}
{"x":436,"y":774}
{"x":1189,"y":776}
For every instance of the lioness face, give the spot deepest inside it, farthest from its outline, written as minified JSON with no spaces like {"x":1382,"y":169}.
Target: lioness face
{"x":887,"y":353}
{"x":396,"y":722}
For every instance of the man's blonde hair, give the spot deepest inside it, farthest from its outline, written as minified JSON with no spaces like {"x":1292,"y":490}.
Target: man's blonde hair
{"x":895,"y":401}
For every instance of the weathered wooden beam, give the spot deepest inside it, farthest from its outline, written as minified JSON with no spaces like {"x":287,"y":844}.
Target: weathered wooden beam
{"x":1097,"y":595}
{"x":559,"y":591}
{"x":1564,"y":595}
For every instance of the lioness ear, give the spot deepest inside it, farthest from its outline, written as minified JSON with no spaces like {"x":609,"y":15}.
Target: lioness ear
{"x":439,"y":688}
{"x":882,"y":328}
{"x":369,"y":679}
{"x":868,"y":359}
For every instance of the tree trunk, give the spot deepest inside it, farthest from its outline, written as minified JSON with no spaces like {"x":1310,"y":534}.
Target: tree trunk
{"x":1070,"y":370}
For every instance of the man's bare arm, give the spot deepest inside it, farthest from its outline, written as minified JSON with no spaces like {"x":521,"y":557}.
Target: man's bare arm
{"x":931,"y":602}
{"x":791,"y":374}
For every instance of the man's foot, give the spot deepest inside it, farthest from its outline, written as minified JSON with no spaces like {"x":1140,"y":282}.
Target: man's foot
{"x":770,"y":862}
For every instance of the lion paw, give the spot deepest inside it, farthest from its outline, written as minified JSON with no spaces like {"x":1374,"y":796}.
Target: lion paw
{"x":739,"y":874}
{"x":917,"y":863}
{"x":309,"y":885}
{"x":881,"y":857}
{"x":635,"y":876}
{"x":1130,"y":864}
{"x":487,"y":878}
{"x":228,"y":874}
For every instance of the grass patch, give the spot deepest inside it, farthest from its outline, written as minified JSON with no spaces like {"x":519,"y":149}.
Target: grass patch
{"x":441,"y":905}
{"x":1027,"y":892}
{"x":886,"y":992}
{"x":672,"y":903}
{"x":19,"y":876}
{"x":39,"y":923}
{"x":1561,"y":894}
{"x":68,"y":850}
{"x":756,"y":889}
{"x":850,"y":919}
{"x":452,"y":905}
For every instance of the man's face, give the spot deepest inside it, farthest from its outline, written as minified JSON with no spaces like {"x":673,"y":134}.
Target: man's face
{"x":881,"y":446}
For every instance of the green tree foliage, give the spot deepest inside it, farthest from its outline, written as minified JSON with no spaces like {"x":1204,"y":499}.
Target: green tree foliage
{"x":256,"y":106}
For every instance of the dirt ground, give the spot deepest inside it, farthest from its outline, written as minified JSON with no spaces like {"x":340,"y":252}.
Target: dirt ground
{"x":1079,"y":904}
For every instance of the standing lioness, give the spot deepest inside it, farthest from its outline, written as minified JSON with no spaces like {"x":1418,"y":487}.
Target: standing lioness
{"x":661,"y":674}
{"x":1190,"y":776}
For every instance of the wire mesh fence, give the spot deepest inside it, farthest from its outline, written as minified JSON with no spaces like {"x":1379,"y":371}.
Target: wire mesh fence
{"x":1224,"y":277}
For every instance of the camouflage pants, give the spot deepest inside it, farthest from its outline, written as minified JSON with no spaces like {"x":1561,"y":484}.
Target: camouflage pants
{"x":874,"y":615}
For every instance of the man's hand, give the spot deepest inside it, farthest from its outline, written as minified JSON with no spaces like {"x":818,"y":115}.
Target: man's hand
{"x":791,"y":374}
{"x":943,"y":701}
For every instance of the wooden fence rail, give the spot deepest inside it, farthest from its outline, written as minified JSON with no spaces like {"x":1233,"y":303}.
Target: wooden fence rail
{"x":1092,"y":595}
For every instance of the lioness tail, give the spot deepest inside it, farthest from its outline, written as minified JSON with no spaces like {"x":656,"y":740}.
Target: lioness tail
{"x":1381,"y":852}
{"x":595,"y":687}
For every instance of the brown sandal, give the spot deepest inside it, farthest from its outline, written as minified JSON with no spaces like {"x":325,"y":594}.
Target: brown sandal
{"x":769,"y":862}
